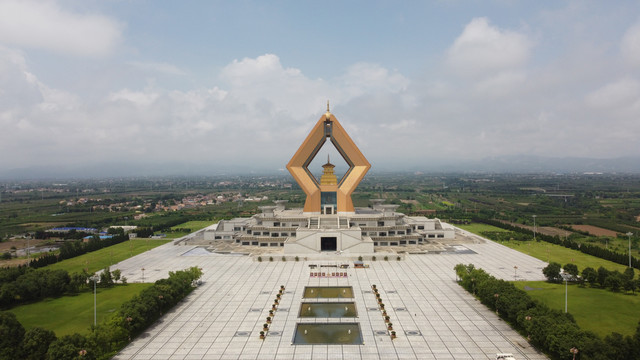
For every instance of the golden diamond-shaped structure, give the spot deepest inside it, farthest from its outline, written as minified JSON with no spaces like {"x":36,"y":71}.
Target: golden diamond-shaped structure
{"x":334,"y":198}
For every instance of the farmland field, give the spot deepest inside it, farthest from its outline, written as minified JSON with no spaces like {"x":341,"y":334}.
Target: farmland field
{"x":594,"y":230}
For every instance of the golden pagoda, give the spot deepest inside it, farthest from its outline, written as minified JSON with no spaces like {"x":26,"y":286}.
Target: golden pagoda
{"x":328,"y":176}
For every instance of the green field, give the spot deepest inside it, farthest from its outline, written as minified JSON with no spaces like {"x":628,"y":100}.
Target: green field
{"x":477,"y":228}
{"x":193,"y":225}
{"x":100,"y":259}
{"x":549,"y":252}
{"x":74,"y":314}
{"x":601,"y":311}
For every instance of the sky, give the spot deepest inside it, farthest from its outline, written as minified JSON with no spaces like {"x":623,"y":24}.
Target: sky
{"x":239,"y":84}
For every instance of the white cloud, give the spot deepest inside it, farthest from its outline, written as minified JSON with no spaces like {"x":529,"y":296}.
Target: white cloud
{"x":159,"y":67}
{"x":140,"y":98}
{"x":618,"y":94}
{"x":45,"y":25}
{"x":483,"y":48}
{"x":630,"y":45}
{"x":364,"y":78}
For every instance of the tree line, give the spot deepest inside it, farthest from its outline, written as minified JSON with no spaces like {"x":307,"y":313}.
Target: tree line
{"x":602,"y":278}
{"x":106,"y":339}
{"x":552,"y":331}
{"x":29,"y":285}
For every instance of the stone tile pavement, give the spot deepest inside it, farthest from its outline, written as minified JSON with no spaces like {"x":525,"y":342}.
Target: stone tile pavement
{"x":434,"y":317}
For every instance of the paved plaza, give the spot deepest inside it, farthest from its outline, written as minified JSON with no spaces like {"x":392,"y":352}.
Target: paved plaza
{"x":433,"y":317}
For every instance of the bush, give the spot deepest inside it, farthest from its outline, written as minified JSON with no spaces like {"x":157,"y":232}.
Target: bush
{"x":552,"y":272}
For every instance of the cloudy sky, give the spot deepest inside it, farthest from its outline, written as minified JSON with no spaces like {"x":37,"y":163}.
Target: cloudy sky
{"x":217,"y":84}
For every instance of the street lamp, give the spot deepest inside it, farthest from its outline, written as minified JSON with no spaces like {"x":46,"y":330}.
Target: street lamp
{"x":534,"y":227}
{"x":574,"y":351}
{"x":565,"y":276}
{"x":95,"y":279}
{"x":629,"y":235}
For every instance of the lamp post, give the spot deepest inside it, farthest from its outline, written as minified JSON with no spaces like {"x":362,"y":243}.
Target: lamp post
{"x":629,"y":235}
{"x":566,"y":278}
{"x":534,"y":227}
{"x":574,"y":351}
{"x":94,"y":278}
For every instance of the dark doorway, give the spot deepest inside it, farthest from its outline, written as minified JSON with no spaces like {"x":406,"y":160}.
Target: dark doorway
{"x":328,"y":244}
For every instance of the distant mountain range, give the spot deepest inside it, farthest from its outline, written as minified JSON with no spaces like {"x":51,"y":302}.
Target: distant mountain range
{"x":503,"y":164}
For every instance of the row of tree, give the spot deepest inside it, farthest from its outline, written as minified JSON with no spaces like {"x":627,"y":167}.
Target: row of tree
{"x":105,"y":340}
{"x":603,"y":278}
{"x":594,"y":250}
{"x":552,"y":331}
{"x":34,"y":285}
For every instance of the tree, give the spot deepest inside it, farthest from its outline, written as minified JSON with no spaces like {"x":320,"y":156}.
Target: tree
{"x":571,"y":269}
{"x":105,"y":278}
{"x":11,"y":335}
{"x":116,"y":275}
{"x":629,"y":273}
{"x":629,"y":284}
{"x":602,"y":275}
{"x":590,"y":275}
{"x":614,"y":281}
{"x":552,"y":272}
{"x":77,"y":281}
{"x":70,"y":346}
{"x":36,"y":343}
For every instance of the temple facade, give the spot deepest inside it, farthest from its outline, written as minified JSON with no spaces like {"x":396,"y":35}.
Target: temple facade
{"x":329,"y":222}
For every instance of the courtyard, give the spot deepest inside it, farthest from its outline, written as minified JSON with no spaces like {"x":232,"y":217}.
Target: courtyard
{"x":433,"y":317}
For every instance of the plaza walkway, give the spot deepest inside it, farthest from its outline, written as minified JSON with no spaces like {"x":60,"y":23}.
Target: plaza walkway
{"x":434,"y":317}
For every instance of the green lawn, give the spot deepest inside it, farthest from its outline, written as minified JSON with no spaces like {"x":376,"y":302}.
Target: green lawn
{"x":562,"y":255}
{"x":74,"y":314}
{"x":100,"y":259}
{"x":194,"y":225}
{"x":549,"y":252}
{"x":598,"y":310}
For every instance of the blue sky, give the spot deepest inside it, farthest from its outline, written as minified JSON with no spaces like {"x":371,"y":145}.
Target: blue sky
{"x":217,"y":84}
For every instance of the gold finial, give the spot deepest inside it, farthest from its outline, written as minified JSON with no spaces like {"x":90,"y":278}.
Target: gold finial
{"x":328,"y":113}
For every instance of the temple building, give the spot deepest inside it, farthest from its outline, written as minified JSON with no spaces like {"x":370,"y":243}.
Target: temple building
{"x":329,"y":222}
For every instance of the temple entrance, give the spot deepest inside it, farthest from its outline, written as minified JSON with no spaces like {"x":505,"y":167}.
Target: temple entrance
{"x":328,"y":243}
